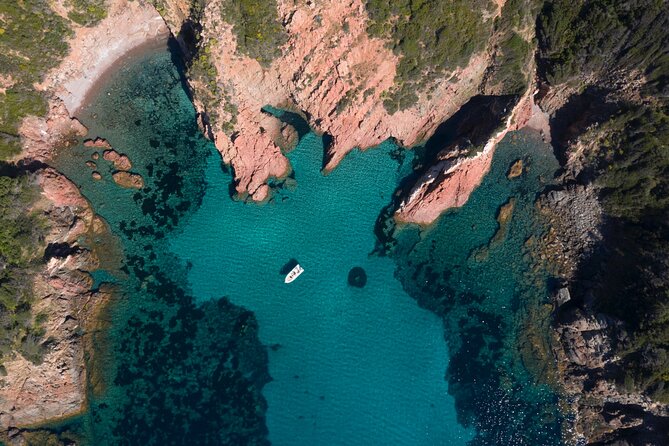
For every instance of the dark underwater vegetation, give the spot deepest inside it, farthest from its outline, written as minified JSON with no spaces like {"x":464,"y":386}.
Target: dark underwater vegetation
{"x":170,"y":366}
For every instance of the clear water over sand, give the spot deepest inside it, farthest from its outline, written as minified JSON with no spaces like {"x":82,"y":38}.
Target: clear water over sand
{"x":350,"y":366}
{"x":200,"y":286}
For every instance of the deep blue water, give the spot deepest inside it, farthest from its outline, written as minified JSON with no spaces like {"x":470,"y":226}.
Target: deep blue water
{"x":205,"y":344}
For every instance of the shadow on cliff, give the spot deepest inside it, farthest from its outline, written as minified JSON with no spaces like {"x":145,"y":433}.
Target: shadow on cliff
{"x":572,"y":120}
{"x":184,"y":49}
{"x":295,"y":120}
{"x":22,"y":167}
{"x":471,"y":126}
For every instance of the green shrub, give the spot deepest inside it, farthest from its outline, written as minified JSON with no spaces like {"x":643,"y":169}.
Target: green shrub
{"x":582,"y":38}
{"x":32,"y":40}
{"x":87,"y":12}
{"x":431,"y":37}
{"x":635,"y":163}
{"x":256,"y":25}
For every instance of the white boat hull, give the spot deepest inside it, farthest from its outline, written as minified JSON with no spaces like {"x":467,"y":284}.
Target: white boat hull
{"x":294,"y":273}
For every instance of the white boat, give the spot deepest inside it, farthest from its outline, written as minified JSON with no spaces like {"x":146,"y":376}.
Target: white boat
{"x":294,"y":273}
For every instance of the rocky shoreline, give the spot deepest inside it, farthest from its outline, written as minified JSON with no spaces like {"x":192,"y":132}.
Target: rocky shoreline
{"x":335,"y":79}
{"x":585,"y":340}
{"x":333,"y":75}
{"x":583,"y":336}
{"x":30,"y":393}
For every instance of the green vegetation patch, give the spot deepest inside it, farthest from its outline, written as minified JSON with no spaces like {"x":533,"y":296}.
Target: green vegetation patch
{"x":635,"y":153}
{"x":87,"y":12}
{"x":511,"y":65}
{"x":513,"y":53}
{"x":598,"y":36}
{"x":633,"y":285}
{"x":202,"y":70}
{"x":257,"y":27}
{"x":21,"y":233}
{"x":32,"y":41}
{"x":431,"y":37}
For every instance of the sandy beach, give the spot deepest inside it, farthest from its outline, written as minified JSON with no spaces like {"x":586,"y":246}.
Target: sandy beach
{"x":130,"y":28}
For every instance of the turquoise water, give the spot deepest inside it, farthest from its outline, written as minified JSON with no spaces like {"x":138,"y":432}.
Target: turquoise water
{"x":352,"y":366}
{"x":166,"y":370}
{"x":205,"y":344}
{"x":495,"y":306}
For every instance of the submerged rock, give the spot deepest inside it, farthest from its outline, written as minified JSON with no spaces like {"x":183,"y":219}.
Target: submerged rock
{"x":504,"y":215}
{"x":128,"y":180}
{"x":98,"y":143}
{"x":357,"y":277}
{"x":516,"y":169}
{"x":120,"y":161}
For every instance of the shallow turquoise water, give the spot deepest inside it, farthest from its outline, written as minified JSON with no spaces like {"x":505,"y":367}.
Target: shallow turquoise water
{"x":203,"y":319}
{"x":486,"y":301}
{"x":353,"y":366}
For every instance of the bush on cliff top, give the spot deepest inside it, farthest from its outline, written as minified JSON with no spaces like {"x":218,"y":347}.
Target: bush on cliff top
{"x":20,"y":248}
{"x":431,"y":37}
{"x":32,"y":40}
{"x":599,"y":37}
{"x":635,"y":181}
{"x":511,"y":67}
{"x":256,"y":25}
{"x":87,"y":12}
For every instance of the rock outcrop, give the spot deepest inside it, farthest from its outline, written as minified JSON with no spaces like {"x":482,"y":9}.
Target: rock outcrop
{"x":120,"y":161}
{"x":335,"y":75}
{"x":516,"y":169}
{"x":99,"y":143}
{"x":449,"y":181}
{"x":128,"y":180}
{"x":583,"y":337}
{"x":602,"y":409}
{"x":32,"y":393}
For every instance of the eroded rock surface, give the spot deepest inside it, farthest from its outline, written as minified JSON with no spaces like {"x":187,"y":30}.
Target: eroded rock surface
{"x":449,"y":181}
{"x":30,"y":392}
{"x":120,"y":161}
{"x":128,"y":180}
{"x":335,"y":75}
{"x":583,"y":337}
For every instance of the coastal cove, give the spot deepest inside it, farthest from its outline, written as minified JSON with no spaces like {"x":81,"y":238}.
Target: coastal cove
{"x":325,"y":222}
{"x":207,"y":344}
